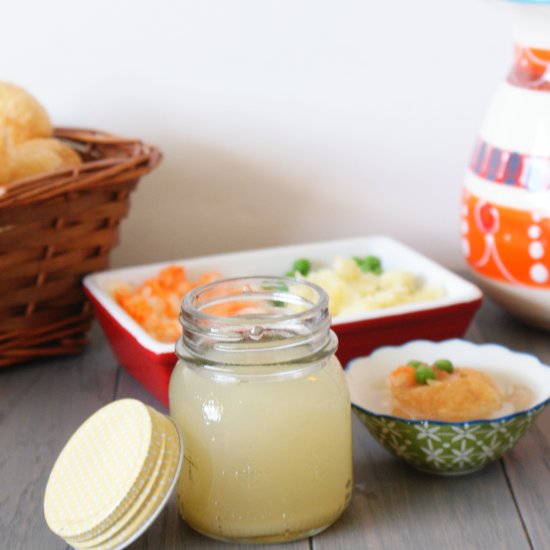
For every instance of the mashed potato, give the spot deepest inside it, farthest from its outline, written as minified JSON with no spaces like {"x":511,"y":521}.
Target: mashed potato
{"x":353,"y":291}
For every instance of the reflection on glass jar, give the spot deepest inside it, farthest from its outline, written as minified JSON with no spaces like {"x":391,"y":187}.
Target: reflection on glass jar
{"x":264,"y":410}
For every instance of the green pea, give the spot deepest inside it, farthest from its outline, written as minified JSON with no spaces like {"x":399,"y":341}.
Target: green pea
{"x":369,"y":264}
{"x":290,"y":273}
{"x":281,"y":287}
{"x":423,"y":374}
{"x":414,"y":363}
{"x":302,"y":266}
{"x":444,"y":364}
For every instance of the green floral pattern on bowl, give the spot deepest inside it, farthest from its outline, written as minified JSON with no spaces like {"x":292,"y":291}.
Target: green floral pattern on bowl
{"x":448,"y":448}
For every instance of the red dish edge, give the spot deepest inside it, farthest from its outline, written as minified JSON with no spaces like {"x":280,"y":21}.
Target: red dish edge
{"x":153,"y":370}
{"x":362,"y":337}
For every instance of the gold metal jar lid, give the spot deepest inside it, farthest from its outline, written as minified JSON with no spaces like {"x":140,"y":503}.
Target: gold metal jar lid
{"x":114,"y":476}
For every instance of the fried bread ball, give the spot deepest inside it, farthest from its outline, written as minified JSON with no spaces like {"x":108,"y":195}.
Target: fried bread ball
{"x":38,"y":156}
{"x":21,"y":114}
{"x":467,"y":394}
{"x":5,"y":157}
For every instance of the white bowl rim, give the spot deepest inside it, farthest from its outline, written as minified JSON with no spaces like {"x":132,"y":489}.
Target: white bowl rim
{"x":490,"y":346}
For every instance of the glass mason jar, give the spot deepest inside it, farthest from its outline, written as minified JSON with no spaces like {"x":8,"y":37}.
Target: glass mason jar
{"x":264,"y":410}
{"x":506,"y":199}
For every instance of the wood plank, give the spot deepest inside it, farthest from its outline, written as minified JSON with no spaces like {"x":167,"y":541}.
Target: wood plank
{"x":41,"y":405}
{"x":395,"y":506}
{"x":527,"y":466}
{"x":528,"y":469}
{"x":169,"y":531}
{"x":493,"y":324}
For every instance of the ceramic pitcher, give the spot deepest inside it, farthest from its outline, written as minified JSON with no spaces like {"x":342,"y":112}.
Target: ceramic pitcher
{"x":506,"y":197}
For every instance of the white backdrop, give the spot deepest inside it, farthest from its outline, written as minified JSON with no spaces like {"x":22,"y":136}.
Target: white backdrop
{"x":281,"y":121}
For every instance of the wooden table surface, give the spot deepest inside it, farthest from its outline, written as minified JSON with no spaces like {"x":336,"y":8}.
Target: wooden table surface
{"x":506,"y":505}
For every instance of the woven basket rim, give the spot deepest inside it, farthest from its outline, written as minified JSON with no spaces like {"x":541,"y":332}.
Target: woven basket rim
{"x":134,"y":155}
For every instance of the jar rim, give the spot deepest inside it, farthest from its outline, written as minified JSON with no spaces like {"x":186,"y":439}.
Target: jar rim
{"x":276,"y":319}
{"x":189,"y":300}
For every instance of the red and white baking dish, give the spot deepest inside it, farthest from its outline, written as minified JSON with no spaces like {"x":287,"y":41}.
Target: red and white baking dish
{"x":151,"y":362}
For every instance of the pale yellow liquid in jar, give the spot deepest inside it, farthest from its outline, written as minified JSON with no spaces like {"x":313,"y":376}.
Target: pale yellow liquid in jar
{"x":265,"y":460}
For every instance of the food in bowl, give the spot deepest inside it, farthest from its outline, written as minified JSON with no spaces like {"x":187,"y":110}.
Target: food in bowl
{"x":353,"y":284}
{"x":440,"y":391}
{"x":448,"y":447}
{"x":360,"y":283}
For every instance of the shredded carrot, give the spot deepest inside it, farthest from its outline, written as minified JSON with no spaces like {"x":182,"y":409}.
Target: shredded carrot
{"x":441,"y":374}
{"x":226,"y":310}
{"x":403,"y":376}
{"x":155,"y":304}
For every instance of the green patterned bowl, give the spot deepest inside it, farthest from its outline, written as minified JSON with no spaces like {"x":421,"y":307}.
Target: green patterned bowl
{"x":446,"y":448}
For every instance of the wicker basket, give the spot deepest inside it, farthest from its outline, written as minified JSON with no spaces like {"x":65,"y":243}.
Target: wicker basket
{"x":56,"y":228}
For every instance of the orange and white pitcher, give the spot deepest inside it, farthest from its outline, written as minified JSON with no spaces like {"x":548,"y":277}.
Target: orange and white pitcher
{"x":506,"y":198}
